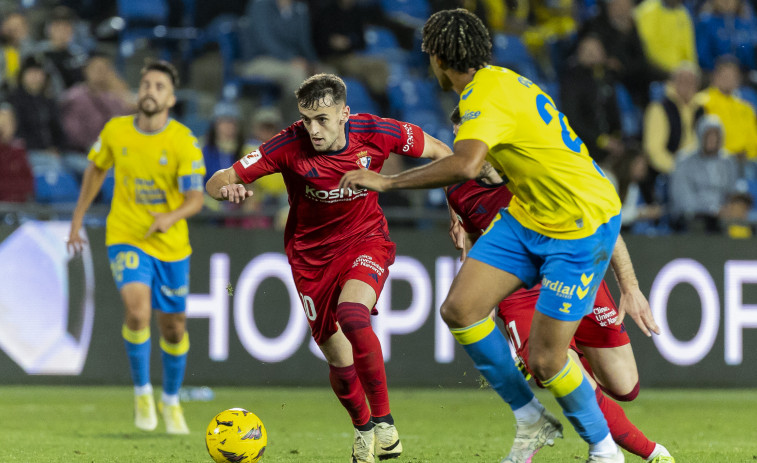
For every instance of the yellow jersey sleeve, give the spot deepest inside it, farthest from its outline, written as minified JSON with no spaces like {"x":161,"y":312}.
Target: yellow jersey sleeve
{"x":191,"y":169}
{"x":558,"y":190}
{"x":101,"y":154}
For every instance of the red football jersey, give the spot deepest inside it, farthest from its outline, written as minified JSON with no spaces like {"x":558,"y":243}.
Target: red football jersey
{"x":477,"y":203}
{"x":324,"y":220}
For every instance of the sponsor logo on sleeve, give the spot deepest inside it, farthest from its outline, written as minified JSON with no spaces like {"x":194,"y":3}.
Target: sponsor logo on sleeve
{"x":251,"y":159}
{"x":410,"y":138}
{"x":469,"y":115}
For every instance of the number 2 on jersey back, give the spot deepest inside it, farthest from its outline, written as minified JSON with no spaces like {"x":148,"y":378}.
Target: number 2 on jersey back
{"x":542,"y":101}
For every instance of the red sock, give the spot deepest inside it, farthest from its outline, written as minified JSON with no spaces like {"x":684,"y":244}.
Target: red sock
{"x":623,"y":432}
{"x":355,"y":320}
{"x":346,"y":386}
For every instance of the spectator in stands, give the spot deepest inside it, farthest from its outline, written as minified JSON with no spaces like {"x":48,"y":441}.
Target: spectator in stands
{"x":552,"y":27}
{"x":16,"y":42}
{"x":669,"y":123}
{"x":616,"y":28}
{"x":60,"y":49}
{"x":726,"y":27}
{"x":587,"y":97}
{"x":635,"y":207}
{"x":339,"y":38}
{"x":39,"y":124}
{"x":224,"y":142}
{"x":16,"y":181}
{"x":703,"y":180}
{"x":734,"y":215}
{"x":88,"y":105}
{"x":667,"y":32}
{"x":270,"y":191}
{"x":737,"y":116}
{"x":278,"y":46}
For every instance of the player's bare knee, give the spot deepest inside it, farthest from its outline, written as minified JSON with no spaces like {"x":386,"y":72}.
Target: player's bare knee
{"x":451,"y":314}
{"x":544,"y":364}
{"x":624,"y":396}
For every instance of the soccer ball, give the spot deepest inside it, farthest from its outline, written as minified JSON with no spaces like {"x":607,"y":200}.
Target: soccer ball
{"x":236,"y":435}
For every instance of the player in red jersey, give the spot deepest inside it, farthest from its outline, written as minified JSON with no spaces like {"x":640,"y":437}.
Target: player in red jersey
{"x":337,"y":241}
{"x":600,"y":342}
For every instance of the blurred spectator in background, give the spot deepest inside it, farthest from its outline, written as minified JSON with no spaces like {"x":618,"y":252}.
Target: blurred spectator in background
{"x":726,"y":27}
{"x":339,"y":38}
{"x":278,"y":46}
{"x":16,"y":42}
{"x":224,"y":142}
{"x":60,"y":49}
{"x":16,"y":180}
{"x":39,"y":124}
{"x":702,"y":180}
{"x":734,"y":215}
{"x":87,"y":106}
{"x":635,"y":207}
{"x":587,"y":97}
{"x":667,"y":32}
{"x":270,"y":191}
{"x":550,"y":33}
{"x":737,"y":116}
{"x":615,"y":27}
{"x":669,"y":123}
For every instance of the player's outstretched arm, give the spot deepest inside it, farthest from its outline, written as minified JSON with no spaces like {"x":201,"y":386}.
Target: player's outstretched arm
{"x":225,"y":185}
{"x":632,"y":301}
{"x":434,"y":149}
{"x":464,"y":165}
{"x":91,"y":183}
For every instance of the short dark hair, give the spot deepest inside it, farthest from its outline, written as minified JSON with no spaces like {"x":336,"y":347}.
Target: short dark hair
{"x":162,"y":66}
{"x":317,"y":87}
{"x":459,"y":38}
{"x":454,"y":116}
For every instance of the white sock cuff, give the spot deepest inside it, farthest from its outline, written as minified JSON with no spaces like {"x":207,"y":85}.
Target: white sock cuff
{"x":143,"y":390}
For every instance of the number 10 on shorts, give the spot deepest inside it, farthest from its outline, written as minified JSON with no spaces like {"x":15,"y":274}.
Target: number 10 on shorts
{"x":309,"y":306}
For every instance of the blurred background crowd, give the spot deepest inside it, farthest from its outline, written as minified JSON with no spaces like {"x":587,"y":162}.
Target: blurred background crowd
{"x":663,"y":92}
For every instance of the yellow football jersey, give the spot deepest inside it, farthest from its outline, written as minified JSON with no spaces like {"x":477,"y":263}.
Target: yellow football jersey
{"x":558,"y":189}
{"x":152,"y":172}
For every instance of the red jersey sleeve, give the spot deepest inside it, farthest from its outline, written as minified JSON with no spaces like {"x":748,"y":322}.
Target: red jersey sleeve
{"x":267,"y":159}
{"x":410,"y":142}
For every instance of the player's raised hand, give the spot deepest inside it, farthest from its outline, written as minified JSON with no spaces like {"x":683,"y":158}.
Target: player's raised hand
{"x":235,"y":193}
{"x":364,"y":179}
{"x":633,"y":303}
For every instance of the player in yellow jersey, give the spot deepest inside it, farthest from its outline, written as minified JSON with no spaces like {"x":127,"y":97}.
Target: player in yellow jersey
{"x":560,"y":230}
{"x":159,"y":173}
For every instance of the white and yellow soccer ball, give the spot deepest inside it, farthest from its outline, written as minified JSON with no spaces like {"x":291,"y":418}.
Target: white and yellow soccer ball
{"x":236,"y":435}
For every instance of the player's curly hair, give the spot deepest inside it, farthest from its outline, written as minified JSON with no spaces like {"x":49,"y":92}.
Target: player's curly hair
{"x":459,"y":38}
{"x":316,"y":88}
{"x":162,"y":66}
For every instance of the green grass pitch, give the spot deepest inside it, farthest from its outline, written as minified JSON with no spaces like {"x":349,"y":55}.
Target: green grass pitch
{"x":94,"y":424}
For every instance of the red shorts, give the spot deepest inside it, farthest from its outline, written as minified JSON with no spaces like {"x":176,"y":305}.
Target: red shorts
{"x":598,"y":329}
{"x":319,"y":287}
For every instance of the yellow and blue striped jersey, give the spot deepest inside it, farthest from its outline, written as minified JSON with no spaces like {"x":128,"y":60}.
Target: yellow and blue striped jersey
{"x":152,"y":173}
{"x":559,"y":191}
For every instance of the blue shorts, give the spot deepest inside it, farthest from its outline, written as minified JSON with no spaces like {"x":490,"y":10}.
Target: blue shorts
{"x":168,"y":281}
{"x":570,"y":271}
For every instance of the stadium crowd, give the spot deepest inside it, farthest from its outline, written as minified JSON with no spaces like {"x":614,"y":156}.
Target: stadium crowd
{"x":663,"y":92}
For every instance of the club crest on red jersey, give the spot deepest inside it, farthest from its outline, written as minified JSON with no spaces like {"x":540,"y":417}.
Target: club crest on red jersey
{"x":363,"y":159}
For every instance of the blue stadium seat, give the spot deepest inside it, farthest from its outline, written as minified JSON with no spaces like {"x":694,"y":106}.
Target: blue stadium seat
{"x":55,"y":186}
{"x":380,"y":41}
{"x":418,"y":10}
{"x":358,"y":97}
{"x":413,"y":93}
{"x":630,"y":115}
{"x":147,"y":19}
{"x":510,"y":52}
